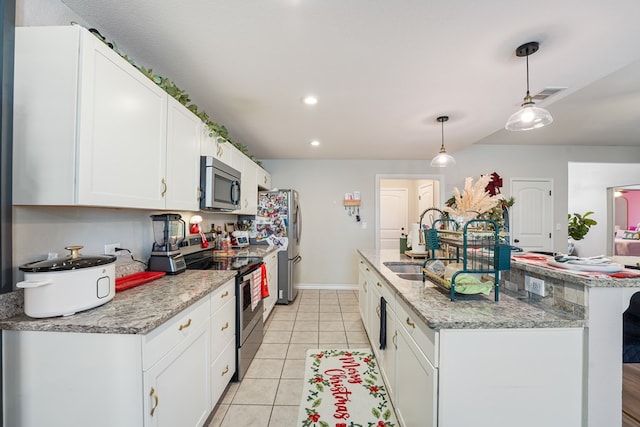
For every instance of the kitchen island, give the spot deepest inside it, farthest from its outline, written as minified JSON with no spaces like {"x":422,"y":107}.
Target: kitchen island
{"x":600,"y":299}
{"x":519,"y":361}
{"x":158,"y":354}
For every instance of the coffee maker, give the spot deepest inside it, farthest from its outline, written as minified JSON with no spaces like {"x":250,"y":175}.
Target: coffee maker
{"x":168,"y":232}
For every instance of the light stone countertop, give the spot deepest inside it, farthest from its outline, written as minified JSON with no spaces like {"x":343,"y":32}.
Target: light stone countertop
{"x":589,"y":279}
{"x":137,"y":310}
{"x":434,"y":307}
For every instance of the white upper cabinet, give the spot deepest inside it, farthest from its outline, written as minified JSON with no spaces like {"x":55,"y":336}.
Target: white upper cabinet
{"x":248,"y":184}
{"x":264,"y":179}
{"x":212,"y":146}
{"x":90,"y":129}
{"x":182,"y":177}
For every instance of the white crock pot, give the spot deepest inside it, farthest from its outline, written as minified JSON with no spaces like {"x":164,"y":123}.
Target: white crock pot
{"x":64,"y":286}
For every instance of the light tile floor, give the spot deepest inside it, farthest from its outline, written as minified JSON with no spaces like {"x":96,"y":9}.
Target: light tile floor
{"x":270,"y":393}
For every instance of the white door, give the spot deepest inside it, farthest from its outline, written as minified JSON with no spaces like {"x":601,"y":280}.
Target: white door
{"x":428,"y":197}
{"x":425,"y":197}
{"x":532,"y":215}
{"x":393,"y":216}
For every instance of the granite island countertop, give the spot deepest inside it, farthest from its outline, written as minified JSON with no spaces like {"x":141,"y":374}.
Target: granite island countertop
{"x":536,"y":263}
{"x":434,"y":307}
{"x":137,"y":310}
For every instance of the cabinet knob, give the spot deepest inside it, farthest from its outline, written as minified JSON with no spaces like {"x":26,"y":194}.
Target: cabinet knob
{"x":226,"y":369}
{"x":379,"y":285}
{"x":155,"y":401}
{"x":410,"y":323}
{"x":186,"y":325}
{"x":225,"y":326}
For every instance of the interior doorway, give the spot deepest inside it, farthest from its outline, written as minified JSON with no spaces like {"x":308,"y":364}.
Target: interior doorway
{"x":400,"y":199}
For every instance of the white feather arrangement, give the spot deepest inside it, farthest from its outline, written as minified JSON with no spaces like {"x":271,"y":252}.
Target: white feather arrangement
{"x":474,"y":200}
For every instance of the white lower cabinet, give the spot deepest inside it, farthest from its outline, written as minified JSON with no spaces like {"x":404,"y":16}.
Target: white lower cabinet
{"x":416,"y":396}
{"x":271,"y":264}
{"x":363,"y":294}
{"x":223,"y":339}
{"x":177,"y":391}
{"x":172,"y":376}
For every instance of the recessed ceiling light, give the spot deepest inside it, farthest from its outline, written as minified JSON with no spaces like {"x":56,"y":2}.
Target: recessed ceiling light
{"x":310,"y":100}
{"x":315,"y":143}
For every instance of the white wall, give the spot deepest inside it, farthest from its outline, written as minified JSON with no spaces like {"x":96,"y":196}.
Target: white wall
{"x":588,"y":183}
{"x":331,"y":238}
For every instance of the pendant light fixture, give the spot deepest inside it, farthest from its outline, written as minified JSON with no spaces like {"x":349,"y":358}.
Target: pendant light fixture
{"x":529,"y":116}
{"x":443,"y":159}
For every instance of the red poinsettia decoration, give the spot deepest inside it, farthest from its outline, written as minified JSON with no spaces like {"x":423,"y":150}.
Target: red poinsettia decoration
{"x":493,"y":187}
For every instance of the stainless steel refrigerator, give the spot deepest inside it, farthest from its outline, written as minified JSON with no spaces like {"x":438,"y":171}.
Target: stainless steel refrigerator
{"x":279,"y":222}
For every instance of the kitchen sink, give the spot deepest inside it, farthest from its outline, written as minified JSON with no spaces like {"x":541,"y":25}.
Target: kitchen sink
{"x":402,"y":267}
{"x":410,"y":276}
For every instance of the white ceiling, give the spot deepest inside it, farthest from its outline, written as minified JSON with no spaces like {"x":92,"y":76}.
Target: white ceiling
{"x":384,"y":70}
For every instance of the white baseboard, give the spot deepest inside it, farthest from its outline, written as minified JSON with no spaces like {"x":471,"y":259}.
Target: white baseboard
{"x":329,"y":286}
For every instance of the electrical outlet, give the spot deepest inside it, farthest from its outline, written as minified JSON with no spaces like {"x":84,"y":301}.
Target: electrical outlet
{"x":533,"y":285}
{"x":110,"y":249}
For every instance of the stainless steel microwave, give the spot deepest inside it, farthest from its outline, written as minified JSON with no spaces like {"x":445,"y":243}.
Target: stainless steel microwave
{"x":220,"y":185}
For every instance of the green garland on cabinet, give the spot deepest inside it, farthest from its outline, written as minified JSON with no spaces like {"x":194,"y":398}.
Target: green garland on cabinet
{"x":182,"y":97}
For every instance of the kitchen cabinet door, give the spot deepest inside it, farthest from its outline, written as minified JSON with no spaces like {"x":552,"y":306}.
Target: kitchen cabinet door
{"x":388,"y":356}
{"x":214,"y":146}
{"x":416,"y":394}
{"x":122,"y":131}
{"x":249,"y":199}
{"x":363,"y":294}
{"x":182,"y":177}
{"x":271,"y":263}
{"x":263,"y":179}
{"x":177,"y":388}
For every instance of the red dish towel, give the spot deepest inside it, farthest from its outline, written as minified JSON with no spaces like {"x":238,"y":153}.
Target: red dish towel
{"x":265,"y":284}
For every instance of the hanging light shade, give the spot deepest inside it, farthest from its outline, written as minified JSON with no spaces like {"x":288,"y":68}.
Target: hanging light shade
{"x":529,"y":116}
{"x":443,"y":159}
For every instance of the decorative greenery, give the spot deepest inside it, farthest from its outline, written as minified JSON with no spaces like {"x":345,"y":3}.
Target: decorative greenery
{"x":215,"y":129}
{"x":579,"y":225}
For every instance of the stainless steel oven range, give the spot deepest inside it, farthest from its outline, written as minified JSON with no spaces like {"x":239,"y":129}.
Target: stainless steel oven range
{"x":249,"y":325}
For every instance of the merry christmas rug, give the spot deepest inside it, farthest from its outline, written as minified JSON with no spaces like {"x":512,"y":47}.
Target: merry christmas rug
{"x":343,"y":388}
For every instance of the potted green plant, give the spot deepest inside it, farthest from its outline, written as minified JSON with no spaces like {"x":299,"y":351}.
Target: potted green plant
{"x":579,"y":226}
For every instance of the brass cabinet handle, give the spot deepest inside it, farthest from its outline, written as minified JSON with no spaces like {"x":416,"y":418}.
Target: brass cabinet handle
{"x":378,"y":310}
{"x":226,"y":325}
{"x":225,"y":294}
{"x":379,"y":285}
{"x":395,"y":339}
{"x":265,"y":179}
{"x":164,"y":187}
{"x":155,"y":401}
{"x":186,"y":325}
{"x":220,"y":150}
{"x":410,"y":323}
{"x":226,"y":369}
